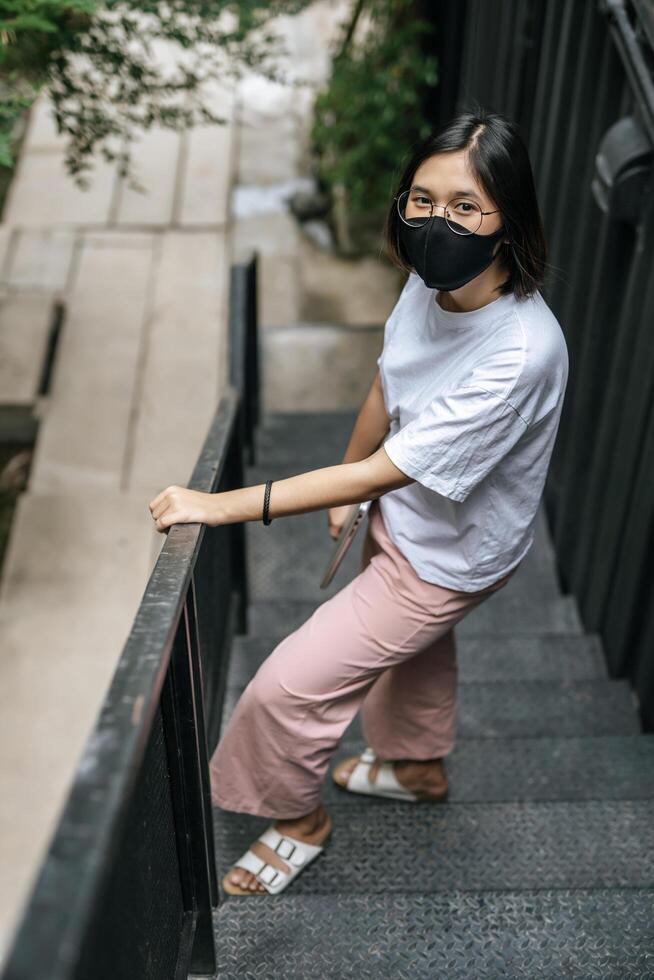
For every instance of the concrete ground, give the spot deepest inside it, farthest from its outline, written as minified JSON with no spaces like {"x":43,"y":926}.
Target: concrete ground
{"x":140,"y":366}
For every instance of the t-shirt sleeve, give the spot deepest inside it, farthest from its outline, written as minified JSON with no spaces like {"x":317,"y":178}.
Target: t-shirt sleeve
{"x":456,"y":440}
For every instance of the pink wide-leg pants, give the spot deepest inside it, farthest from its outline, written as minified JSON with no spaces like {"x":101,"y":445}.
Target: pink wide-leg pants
{"x":384,"y":644}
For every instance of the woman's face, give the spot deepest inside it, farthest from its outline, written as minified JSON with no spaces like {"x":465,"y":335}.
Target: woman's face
{"x":445,"y":178}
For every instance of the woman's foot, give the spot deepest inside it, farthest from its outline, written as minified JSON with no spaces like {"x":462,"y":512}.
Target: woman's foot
{"x":426,"y":777}
{"x":314,"y":828}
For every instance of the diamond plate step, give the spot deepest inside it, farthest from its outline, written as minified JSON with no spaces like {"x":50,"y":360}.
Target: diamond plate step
{"x":527,"y":709}
{"x":386,"y":846}
{"x":540,"y":864}
{"x":492,"y":658}
{"x":320,"y":437}
{"x":531,"y":934}
{"x":289,"y":556}
{"x":601,"y":767}
{"x":502,"y":615}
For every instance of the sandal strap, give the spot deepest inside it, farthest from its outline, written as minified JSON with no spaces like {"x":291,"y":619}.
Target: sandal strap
{"x":386,"y":782}
{"x":292,"y":851}
{"x":266,"y":873}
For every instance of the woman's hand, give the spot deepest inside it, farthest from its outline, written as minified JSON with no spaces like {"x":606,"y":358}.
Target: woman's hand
{"x":336,"y":518}
{"x":178,"y":505}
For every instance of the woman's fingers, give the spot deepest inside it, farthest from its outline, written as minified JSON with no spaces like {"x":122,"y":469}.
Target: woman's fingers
{"x":179,"y":505}
{"x":161,"y":509}
{"x":163,"y":502}
{"x":162,"y":497}
{"x":164,"y":519}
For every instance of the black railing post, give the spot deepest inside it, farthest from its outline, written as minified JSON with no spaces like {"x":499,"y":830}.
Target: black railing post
{"x":238,"y":533}
{"x":195,"y":832}
{"x":253,"y":362}
{"x":243,"y":346}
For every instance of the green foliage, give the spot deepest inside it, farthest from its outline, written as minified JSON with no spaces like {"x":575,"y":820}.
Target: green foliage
{"x":372,"y":109}
{"x":96,"y":62}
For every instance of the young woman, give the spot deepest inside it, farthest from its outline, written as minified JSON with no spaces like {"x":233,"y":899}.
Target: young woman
{"x":466,"y":402}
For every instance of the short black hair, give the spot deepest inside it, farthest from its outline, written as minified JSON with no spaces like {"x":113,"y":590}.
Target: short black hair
{"x":500,"y":161}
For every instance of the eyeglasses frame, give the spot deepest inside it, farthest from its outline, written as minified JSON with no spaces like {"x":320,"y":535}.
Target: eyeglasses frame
{"x":444,"y":207}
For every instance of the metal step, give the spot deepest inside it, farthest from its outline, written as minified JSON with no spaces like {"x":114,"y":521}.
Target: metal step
{"x":320,"y":437}
{"x":380,"y":847}
{"x":546,"y":934}
{"x":600,"y":767}
{"x":289,"y":558}
{"x":527,"y":709}
{"x":492,"y":658}
{"x":541,"y":861}
{"x":502,"y":615}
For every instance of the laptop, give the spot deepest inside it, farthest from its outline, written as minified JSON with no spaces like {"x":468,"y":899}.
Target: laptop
{"x":344,"y":540}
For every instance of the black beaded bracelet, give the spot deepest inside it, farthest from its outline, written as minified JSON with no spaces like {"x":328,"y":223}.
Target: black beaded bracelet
{"x":266,"y":503}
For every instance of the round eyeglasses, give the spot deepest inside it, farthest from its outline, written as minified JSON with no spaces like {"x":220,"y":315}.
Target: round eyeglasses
{"x":462,"y":216}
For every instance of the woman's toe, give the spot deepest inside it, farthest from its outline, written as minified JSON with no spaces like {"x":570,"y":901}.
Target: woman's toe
{"x":344,"y":770}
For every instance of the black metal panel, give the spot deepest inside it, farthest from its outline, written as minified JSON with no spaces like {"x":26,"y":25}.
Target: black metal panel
{"x":593,"y":361}
{"x":642,"y":666}
{"x":555,"y":121}
{"x":138,"y":919}
{"x":628,"y":617}
{"x":566,"y":72}
{"x":580,"y":128}
{"x":542,"y":96}
{"x":601,"y":559}
{"x":445,"y":43}
{"x":570,"y":293}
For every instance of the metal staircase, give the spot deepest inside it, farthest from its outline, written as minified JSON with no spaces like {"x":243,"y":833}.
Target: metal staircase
{"x":541,"y":862}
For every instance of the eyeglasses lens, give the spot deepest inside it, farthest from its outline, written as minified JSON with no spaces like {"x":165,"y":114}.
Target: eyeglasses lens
{"x":463,"y":216}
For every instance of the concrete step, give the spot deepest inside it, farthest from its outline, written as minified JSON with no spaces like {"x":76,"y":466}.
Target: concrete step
{"x":127,"y":345}
{"x":38,"y":260}
{"x":492,"y":658}
{"x":457,"y":935}
{"x":526,"y":709}
{"x":383,"y":847}
{"x":24,"y":329}
{"x":310,"y":368}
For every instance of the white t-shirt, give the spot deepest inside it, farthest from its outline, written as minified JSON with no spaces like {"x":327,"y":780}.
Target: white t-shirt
{"x":475,"y":400}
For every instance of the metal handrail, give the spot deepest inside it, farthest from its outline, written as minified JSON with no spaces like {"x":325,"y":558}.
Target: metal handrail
{"x":159,"y":675}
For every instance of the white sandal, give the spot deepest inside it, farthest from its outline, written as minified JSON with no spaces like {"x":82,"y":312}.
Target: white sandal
{"x":296,"y":853}
{"x":386,"y":784}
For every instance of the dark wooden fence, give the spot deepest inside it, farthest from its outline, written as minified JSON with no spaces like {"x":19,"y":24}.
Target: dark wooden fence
{"x":577,"y":77}
{"x":129,"y":881}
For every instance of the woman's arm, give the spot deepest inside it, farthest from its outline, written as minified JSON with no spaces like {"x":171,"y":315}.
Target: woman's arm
{"x":330,"y":486}
{"x":350,"y":482}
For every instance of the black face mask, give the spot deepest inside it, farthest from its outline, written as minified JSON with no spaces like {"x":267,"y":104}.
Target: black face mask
{"x":443,"y":259}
